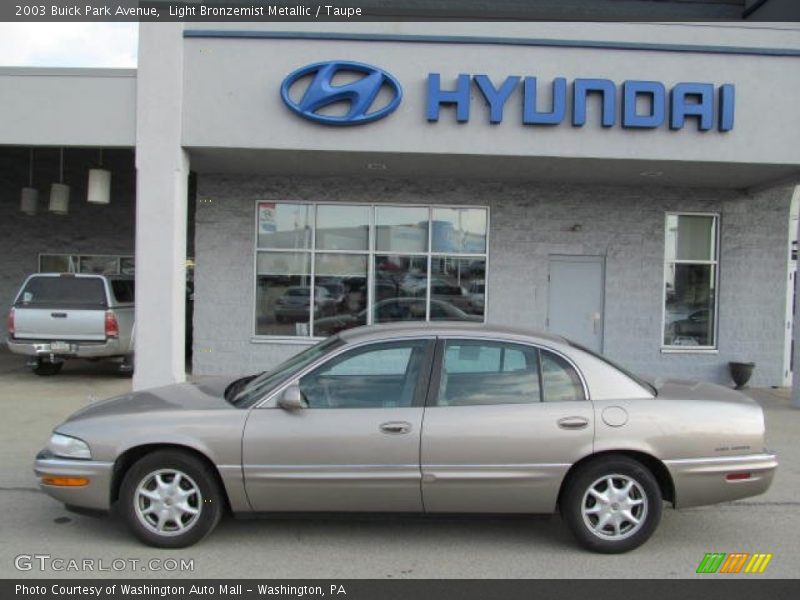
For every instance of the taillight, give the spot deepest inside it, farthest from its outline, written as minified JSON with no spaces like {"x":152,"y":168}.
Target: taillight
{"x":10,"y":323}
{"x":112,"y":325}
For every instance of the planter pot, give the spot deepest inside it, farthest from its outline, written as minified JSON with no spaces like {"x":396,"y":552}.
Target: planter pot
{"x":741,"y":373}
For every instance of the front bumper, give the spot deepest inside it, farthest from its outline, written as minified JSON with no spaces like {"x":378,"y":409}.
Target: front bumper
{"x":95,"y":495}
{"x":110,"y":347}
{"x":703,"y":480}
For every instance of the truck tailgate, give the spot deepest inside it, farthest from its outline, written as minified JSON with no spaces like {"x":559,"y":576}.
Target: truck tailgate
{"x":60,"y":324}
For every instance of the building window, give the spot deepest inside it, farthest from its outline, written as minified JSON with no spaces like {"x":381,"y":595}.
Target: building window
{"x":99,"y":264}
{"x":323,"y":268}
{"x":690,"y":275}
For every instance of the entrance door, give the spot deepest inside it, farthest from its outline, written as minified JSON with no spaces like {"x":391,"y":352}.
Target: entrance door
{"x":575,"y":299}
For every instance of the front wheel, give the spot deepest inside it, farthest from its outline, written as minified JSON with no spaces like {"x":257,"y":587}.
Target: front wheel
{"x":612,"y":505}
{"x":171,"y":499}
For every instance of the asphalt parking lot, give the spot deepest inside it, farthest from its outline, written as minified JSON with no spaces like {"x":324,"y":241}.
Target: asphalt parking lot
{"x":34,"y":524}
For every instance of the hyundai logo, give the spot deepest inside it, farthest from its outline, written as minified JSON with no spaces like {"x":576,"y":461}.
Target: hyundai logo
{"x":360,"y":94}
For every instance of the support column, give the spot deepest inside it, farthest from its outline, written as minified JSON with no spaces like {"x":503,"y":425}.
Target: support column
{"x":162,"y":171}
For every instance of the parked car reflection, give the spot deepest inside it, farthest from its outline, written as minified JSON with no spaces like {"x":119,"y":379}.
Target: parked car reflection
{"x":294,"y":303}
{"x":692,"y":330}
{"x":390,"y":310}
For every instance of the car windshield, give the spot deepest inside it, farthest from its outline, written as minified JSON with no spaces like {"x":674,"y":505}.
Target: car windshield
{"x":642,"y":382}
{"x":258,"y":387}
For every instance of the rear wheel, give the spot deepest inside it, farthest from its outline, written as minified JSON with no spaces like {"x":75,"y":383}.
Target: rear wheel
{"x":612,"y":505}
{"x":171,"y":499}
{"x":45,"y":368}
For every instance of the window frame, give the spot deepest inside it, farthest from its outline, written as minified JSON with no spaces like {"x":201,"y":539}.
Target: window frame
{"x":270,"y":398}
{"x":76,"y":259}
{"x":714,"y":263}
{"x":426,"y":350}
{"x":370,"y":253}
{"x":432,"y":397}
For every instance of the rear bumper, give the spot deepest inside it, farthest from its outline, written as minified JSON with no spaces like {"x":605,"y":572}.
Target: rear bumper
{"x":96,"y":495}
{"x":703,"y":480}
{"x":76,"y":349}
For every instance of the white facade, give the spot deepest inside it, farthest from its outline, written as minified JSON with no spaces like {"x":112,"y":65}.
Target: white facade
{"x":208,"y":101}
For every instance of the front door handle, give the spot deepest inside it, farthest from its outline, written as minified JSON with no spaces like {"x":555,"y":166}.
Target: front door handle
{"x":396,"y":427}
{"x":573,"y":422}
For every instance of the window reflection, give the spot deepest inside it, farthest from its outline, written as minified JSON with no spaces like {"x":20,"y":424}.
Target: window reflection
{"x":341,"y":227}
{"x":689,"y":314}
{"x":283,"y":294}
{"x":344,"y":277}
{"x":401,"y":229}
{"x":458,"y":230}
{"x":284,"y":225}
{"x":319,"y":266}
{"x":458,"y":283}
{"x":399,"y":288}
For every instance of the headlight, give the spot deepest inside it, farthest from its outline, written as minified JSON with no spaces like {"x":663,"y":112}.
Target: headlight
{"x":65,"y":446}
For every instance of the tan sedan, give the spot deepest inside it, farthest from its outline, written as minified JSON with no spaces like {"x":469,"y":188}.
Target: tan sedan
{"x":447,"y":418}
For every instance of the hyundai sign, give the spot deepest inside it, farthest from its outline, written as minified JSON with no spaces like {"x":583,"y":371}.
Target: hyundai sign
{"x":635,"y":104}
{"x":360,"y":94}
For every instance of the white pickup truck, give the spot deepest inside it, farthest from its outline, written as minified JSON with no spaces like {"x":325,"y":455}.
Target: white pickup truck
{"x":61,"y":316}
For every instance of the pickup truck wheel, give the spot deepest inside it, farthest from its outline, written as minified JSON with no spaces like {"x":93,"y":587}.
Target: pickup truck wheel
{"x":612,"y":505}
{"x":171,"y":499}
{"x":44,"y":368}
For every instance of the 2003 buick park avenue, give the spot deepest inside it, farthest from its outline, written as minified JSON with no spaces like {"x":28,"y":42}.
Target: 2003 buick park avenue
{"x":447,"y":418}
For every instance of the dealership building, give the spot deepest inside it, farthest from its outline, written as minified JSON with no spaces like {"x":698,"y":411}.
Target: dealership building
{"x":629,"y":185}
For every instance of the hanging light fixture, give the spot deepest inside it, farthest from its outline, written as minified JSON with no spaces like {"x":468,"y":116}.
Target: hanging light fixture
{"x":29,"y":199}
{"x":59,"y":193}
{"x":99,"y":184}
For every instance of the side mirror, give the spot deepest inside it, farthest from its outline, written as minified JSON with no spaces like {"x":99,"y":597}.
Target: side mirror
{"x":292,"y":399}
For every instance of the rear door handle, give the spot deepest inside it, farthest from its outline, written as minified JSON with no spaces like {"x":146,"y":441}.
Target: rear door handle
{"x":395,"y":427}
{"x":573,"y":422}
{"x":59,"y":315}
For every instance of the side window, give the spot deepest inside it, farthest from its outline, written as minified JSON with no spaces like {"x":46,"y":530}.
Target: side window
{"x":481,"y":373}
{"x":377,"y":376}
{"x":560,"y":381}
{"x":123,"y":290}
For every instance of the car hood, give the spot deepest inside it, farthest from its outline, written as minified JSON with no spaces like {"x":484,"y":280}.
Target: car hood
{"x":205,"y":395}
{"x":683,"y":389}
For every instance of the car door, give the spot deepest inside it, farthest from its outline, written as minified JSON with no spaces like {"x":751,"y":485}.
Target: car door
{"x":356,"y":446}
{"x":503,"y":424}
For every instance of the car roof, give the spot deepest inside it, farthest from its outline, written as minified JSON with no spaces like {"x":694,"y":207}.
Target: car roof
{"x":388,"y":331}
{"x":85,"y":276}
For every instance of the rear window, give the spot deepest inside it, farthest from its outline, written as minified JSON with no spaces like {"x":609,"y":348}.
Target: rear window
{"x":123,"y":290}
{"x":63,"y":292}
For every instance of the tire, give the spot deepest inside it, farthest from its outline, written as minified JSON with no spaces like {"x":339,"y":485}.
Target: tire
{"x":620,"y":533}
{"x":47,"y":369}
{"x":127,"y":366}
{"x":207,"y":499}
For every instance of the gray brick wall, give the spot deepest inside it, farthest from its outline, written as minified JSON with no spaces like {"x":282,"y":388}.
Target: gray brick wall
{"x":528,"y":223}
{"x":88,"y":229}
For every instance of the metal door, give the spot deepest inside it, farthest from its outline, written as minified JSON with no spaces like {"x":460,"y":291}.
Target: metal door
{"x":575,"y":299}
{"x":360,"y":456}
{"x":500,"y":452}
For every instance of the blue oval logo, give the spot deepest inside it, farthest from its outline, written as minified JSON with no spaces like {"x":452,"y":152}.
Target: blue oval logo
{"x":360,"y":94}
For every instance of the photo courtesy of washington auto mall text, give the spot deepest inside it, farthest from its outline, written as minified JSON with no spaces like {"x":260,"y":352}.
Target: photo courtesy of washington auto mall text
{"x":399,"y":299}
